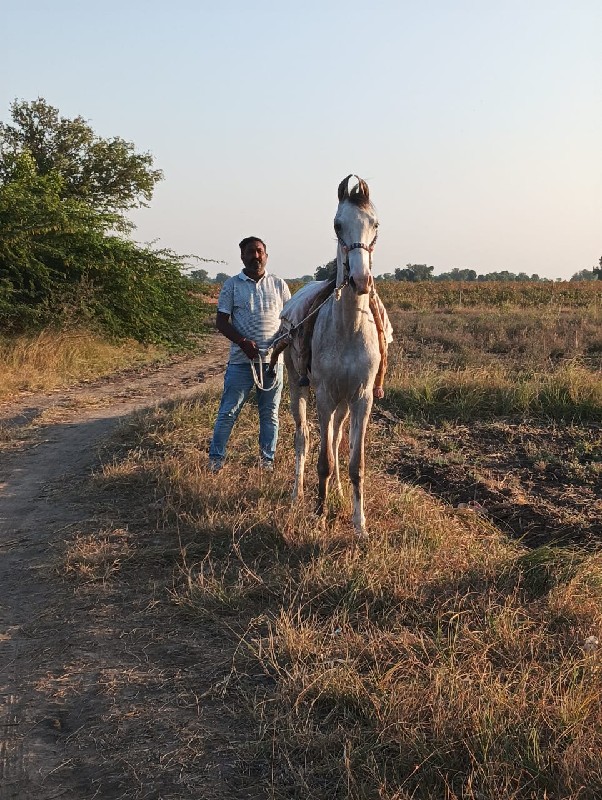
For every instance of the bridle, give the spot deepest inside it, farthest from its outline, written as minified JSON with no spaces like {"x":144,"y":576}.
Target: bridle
{"x":347,"y":248}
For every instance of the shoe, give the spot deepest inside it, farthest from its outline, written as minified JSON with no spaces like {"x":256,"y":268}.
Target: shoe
{"x":216,"y":466}
{"x":266,"y":466}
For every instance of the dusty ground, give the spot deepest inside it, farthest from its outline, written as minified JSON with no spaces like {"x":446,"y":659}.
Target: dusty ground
{"x":96,"y":701}
{"x":73,"y":659}
{"x":540,"y":482}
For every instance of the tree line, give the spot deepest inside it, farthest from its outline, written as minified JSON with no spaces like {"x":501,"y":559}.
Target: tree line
{"x":421,"y":272}
{"x":413,"y":273}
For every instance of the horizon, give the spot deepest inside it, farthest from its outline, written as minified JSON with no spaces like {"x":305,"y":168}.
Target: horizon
{"x":477,"y":126}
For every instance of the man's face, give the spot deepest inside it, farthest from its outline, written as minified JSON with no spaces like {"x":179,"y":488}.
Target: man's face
{"x":254,"y":257}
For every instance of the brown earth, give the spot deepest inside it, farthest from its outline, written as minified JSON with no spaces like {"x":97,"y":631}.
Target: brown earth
{"x":84,"y":675}
{"x":539,"y":482}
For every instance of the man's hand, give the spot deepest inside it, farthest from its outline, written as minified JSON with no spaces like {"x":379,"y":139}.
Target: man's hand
{"x":249,"y":348}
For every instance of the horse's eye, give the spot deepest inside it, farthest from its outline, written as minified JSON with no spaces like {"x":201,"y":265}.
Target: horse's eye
{"x":376,"y":224}
{"x":337,"y":226}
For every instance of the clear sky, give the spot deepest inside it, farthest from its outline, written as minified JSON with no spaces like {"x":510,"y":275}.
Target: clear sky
{"x":477,"y":123}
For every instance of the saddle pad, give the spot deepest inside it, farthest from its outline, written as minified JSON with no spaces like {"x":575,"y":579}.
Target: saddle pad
{"x":297,"y":308}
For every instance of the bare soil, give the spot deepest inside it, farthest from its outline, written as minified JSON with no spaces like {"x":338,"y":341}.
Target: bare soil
{"x":540,"y":482}
{"x":85,"y":675}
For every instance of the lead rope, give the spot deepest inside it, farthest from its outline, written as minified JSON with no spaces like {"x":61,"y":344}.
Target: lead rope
{"x":258,"y":378}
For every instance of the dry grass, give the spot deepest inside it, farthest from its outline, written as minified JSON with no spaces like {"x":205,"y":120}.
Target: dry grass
{"x":571,"y":392}
{"x":52,"y":359}
{"x":438,"y":660}
{"x":502,"y":295}
{"x":521,"y":337}
{"x":474,"y":363}
{"x":97,"y":557}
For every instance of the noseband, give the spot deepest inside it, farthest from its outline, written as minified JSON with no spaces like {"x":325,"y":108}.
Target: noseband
{"x":347,"y":248}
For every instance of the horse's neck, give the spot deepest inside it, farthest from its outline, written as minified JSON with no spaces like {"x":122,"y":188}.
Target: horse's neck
{"x":349,"y":311}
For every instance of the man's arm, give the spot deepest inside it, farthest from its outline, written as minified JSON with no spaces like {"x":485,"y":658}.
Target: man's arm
{"x":225,"y":327}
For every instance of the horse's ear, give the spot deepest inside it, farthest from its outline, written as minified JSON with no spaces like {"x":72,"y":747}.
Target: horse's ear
{"x":344,"y":189}
{"x":363,"y":188}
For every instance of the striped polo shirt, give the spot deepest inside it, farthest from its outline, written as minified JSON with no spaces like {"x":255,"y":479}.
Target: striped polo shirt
{"x":254,"y":309}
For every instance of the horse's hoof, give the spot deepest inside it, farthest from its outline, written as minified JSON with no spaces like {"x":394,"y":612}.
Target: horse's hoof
{"x":362,"y":535}
{"x":378,"y":392}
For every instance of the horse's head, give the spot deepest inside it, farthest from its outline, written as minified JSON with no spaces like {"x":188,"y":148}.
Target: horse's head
{"x":356,"y":225}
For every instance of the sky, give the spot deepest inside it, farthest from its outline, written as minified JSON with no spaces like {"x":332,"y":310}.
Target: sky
{"x":476,"y":123}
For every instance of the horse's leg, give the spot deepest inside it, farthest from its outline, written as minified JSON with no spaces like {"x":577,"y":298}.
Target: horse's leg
{"x":360,"y":413}
{"x":299,"y":397}
{"x":299,"y":411}
{"x":340,"y":415}
{"x":326,"y":457}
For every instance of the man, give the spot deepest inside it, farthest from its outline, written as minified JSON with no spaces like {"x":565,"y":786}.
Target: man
{"x":248,"y":314}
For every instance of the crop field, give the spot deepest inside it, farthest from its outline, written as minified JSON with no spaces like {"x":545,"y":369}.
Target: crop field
{"x":496,"y":400}
{"x":455,"y":654}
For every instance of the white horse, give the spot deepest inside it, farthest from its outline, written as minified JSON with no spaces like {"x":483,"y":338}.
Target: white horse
{"x":345,"y":355}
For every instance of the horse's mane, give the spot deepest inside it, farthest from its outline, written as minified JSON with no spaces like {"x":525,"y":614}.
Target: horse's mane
{"x":359,"y":194}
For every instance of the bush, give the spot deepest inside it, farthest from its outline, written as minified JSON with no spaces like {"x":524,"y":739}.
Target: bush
{"x":61,"y":259}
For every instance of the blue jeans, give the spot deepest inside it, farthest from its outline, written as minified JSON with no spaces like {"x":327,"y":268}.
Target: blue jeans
{"x":238,"y":382}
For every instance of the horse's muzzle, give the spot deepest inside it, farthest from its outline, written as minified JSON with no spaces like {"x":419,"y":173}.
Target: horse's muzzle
{"x":359,"y":288}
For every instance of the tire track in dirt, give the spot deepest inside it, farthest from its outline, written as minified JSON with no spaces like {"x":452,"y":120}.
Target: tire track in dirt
{"x":39,"y":504}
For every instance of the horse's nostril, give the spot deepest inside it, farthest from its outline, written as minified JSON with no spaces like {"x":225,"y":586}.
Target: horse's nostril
{"x":358,"y":289}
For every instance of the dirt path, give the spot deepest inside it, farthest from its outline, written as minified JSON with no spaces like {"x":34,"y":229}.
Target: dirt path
{"x":56,"y":646}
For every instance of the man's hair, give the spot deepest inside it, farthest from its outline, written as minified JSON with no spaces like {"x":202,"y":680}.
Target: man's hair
{"x":247,"y":240}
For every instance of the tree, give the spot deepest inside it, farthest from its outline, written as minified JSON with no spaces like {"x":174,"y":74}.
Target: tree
{"x":34,"y":227}
{"x":414,"y":272}
{"x":457,"y":275}
{"x":108,"y":174}
{"x":221,"y":277}
{"x":504,"y":275}
{"x":326,"y":271}
{"x":59,"y":261}
{"x":64,"y":257}
{"x":584,"y":275}
{"x":199,"y":275}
